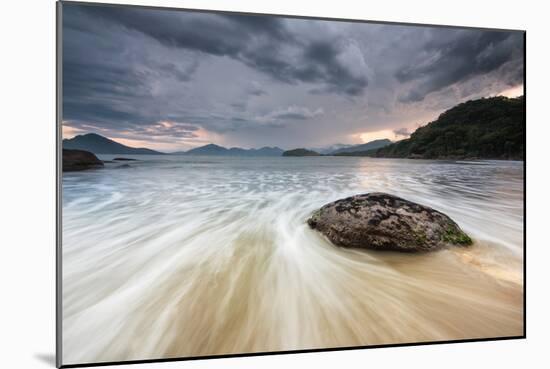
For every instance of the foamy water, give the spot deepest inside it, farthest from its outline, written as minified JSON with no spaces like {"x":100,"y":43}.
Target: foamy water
{"x":189,"y":256}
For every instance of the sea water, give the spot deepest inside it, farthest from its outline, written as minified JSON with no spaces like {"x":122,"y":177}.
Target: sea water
{"x":187,"y":256}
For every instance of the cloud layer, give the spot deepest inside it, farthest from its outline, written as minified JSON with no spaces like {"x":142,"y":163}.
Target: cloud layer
{"x":181,"y":79}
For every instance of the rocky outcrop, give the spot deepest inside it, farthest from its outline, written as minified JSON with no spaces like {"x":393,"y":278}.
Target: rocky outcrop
{"x":385,"y":222}
{"x":74,"y":160}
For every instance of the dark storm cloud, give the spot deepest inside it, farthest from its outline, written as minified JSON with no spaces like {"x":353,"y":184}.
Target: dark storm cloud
{"x":114,"y":75}
{"x":321,"y":63}
{"x":188,"y":77}
{"x":220,"y":35}
{"x":96,"y":88}
{"x":260,"y":42}
{"x":106,"y":83}
{"x":447,"y":60}
{"x":94,"y":94}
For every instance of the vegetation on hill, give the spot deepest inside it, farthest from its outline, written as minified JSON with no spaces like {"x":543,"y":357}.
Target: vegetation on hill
{"x":488,"y":128}
{"x":357,"y":153}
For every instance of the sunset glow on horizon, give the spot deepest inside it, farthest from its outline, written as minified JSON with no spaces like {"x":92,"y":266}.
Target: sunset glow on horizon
{"x":377,"y":135}
{"x":513,"y":92}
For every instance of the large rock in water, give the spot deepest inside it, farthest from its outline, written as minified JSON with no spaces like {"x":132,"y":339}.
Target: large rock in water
{"x":79,"y":160}
{"x":385,"y":222}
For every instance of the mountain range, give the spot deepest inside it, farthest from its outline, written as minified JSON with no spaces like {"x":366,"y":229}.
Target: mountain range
{"x":216,"y":150}
{"x":98,"y":144}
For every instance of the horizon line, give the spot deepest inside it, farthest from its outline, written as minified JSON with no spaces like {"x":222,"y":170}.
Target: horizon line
{"x":224,"y":147}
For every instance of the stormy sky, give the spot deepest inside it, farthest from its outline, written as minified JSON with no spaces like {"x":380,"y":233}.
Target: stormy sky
{"x":173,"y":80}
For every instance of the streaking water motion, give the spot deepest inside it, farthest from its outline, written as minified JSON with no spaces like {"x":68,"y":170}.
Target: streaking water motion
{"x":187,"y":256}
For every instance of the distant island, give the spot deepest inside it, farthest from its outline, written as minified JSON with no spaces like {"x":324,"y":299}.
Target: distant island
{"x":301,"y":152}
